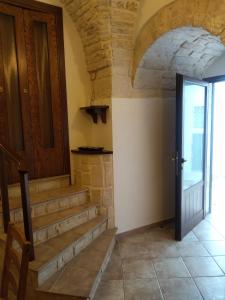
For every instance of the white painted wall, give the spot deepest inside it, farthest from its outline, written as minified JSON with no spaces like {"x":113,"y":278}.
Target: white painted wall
{"x":218,"y":68}
{"x":143,"y":143}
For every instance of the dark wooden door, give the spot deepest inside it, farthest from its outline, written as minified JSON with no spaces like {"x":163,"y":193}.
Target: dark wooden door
{"x":191,"y":106}
{"x":33,"y":108}
{"x":15,"y":116}
{"x":44,"y":89}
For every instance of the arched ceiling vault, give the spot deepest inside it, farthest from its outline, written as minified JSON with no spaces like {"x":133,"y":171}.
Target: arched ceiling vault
{"x":185,"y":36}
{"x":185,"y":50}
{"x":106,"y":29}
{"x":200,"y":28}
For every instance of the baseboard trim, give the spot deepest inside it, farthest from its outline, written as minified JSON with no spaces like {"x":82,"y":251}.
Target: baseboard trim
{"x":144,"y":228}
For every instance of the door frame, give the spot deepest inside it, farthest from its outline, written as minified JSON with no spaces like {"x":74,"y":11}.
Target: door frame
{"x":212,"y":80}
{"x":58,"y":13}
{"x":179,"y":148}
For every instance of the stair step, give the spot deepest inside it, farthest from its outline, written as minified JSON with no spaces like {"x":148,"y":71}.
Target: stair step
{"x":41,"y":184}
{"x":52,"y":255}
{"x":80,"y":277}
{"x":48,"y":202}
{"x":51,"y":225}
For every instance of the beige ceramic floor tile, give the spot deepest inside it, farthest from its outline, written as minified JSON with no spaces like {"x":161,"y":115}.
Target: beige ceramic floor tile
{"x":177,"y":249}
{"x":114,"y":269}
{"x":159,"y":235}
{"x":138,"y":268}
{"x":170,"y":268}
{"x":202,"y":266}
{"x":207,"y":234}
{"x":136,"y":238}
{"x":215,"y":247}
{"x":110,"y":290}
{"x":132,"y":250}
{"x":142,"y":289}
{"x":212,"y":288}
{"x":190,"y":237}
{"x":186,"y":249}
{"x":179,"y":289}
{"x":220,"y":261}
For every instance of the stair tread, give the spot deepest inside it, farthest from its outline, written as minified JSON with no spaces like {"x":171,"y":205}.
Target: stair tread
{"x":35,"y":198}
{"x":51,"y":248}
{"x":79,"y":276}
{"x":52,"y":218}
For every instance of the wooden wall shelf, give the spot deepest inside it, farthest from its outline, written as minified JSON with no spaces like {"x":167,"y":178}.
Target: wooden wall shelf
{"x":95,"y":111}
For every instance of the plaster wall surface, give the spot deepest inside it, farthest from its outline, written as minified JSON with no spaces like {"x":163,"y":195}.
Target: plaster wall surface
{"x":143,"y":139}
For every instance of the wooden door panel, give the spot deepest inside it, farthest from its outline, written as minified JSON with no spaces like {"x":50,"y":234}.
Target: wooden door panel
{"x":192,"y":208}
{"x":191,"y":110}
{"x":14,"y":114}
{"x":44,"y":90}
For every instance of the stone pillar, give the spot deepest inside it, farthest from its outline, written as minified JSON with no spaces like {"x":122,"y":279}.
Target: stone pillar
{"x":95,"y":172}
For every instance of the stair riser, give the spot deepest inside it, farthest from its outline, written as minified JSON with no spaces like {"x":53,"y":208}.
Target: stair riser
{"x":51,"y":206}
{"x":43,"y":234}
{"x":57,"y":263}
{"x":40,"y":185}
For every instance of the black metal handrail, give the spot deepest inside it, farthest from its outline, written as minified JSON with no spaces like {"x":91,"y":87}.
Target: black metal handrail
{"x":9,"y":155}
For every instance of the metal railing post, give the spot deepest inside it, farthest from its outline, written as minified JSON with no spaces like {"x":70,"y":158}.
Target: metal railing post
{"x":25,"y":196}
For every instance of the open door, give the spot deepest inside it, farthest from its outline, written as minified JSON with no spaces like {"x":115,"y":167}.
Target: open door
{"x":191,"y":104}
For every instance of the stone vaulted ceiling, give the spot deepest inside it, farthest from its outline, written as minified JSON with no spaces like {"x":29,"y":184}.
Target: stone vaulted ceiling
{"x":106,"y":29}
{"x":185,"y":36}
{"x":188,"y":50}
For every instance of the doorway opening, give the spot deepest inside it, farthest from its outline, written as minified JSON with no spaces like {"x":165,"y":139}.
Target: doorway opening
{"x":217,"y":149}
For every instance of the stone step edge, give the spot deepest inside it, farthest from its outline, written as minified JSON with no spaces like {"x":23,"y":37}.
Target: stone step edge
{"x":43,"y":291}
{"x":44,"y":179}
{"x":103,"y":266}
{"x":60,"y":261}
{"x":83,"y":208}
{"x":45,"y":295}
{"x":49,"y":199}
{"x":101,"y":222}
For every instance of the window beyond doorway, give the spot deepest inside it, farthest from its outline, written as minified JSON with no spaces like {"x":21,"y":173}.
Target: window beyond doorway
{"x":218,"y":149}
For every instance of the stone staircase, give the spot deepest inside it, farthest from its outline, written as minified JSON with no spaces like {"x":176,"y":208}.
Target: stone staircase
{"x":72,"y":241}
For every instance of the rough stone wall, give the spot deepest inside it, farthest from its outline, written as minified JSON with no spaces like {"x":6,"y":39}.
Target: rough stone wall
{"x":95,"y":172}
{"x":123,"y":20}
{"x":205,"y":14}
{"x":185,"y":50}
{"x":106,"y":28}
{"x":92,"y":20}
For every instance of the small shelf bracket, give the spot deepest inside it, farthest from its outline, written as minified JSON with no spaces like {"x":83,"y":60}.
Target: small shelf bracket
{"x":95,"y":111}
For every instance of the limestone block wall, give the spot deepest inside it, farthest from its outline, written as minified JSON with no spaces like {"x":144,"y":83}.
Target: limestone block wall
{"x":95,"y":172}
{"x":107,"y":33}
{"x":186,"y":50}
{"x":205,"y":15}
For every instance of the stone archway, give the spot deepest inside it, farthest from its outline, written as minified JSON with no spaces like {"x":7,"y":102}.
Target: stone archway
{"x":205,"y":15}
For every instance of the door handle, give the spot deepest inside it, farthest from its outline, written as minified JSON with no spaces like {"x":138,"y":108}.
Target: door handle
{"x":183,"y":160}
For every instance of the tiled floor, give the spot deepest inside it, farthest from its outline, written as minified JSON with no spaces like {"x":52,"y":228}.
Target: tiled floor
{"x":152,"y":266}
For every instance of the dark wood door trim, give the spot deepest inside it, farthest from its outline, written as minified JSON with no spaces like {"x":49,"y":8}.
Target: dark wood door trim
{"x":57,"y":11}
{"x":34,"y":5}
{"x":184,"y":226}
